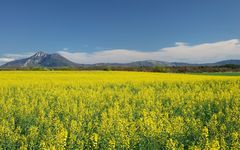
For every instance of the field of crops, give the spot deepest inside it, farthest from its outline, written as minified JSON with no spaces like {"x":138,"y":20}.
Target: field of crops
{"x":118,"y":110}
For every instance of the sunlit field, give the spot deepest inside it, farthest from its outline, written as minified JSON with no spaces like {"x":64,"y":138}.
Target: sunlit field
{"x":118,"y":110}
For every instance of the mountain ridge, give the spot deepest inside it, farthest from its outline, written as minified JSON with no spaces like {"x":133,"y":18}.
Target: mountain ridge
{"x":42,"y":59}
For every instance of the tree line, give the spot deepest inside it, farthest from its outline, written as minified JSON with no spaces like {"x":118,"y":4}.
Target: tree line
{"x":164,"y":69}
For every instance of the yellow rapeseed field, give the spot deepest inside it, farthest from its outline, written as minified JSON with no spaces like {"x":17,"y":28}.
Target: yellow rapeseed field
{"x":118,"y":110}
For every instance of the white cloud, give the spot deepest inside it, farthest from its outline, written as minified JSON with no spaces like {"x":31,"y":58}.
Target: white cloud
{"x":65,"y":49}
{"x":18,"y":56}
{"x":181,"y":52}
{"x":10,"y":57}
{"x":180,"y":44}
{"x":5,"y":59}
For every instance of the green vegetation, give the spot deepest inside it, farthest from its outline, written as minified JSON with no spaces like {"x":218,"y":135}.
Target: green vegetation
{"x":222,"y":73}
{"x":157,"y":68}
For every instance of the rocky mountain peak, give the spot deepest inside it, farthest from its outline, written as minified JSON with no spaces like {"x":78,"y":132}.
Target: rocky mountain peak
{"x":41,"y":59}
{"x":40,"y":54}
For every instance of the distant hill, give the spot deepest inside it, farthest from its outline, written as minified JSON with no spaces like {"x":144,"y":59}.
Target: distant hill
{"x":145,"y":63}
{"x":148,"y":63}
{"x":227,"y":62}
{"x":41,"y":59}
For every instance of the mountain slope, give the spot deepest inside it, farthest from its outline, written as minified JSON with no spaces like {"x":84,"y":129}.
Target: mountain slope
{"x":227,"y":62}
{"x":148,"y":63}
{"x":145,"y":63}
{"x":41,"y":59}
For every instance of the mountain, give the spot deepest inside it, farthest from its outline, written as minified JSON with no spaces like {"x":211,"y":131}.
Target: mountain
{"x":41,"y":59}
{"x":149,"y":63}
{"x":145,"y":63}
{"x":227,"y":62}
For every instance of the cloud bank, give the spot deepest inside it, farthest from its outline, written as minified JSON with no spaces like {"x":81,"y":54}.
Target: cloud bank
{"x":10,"y":57}
{"x":181,"y":52}
{"x":5,"y":59}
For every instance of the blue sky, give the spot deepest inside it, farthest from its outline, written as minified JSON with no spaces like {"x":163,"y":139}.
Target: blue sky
{"x":89,"y":27}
